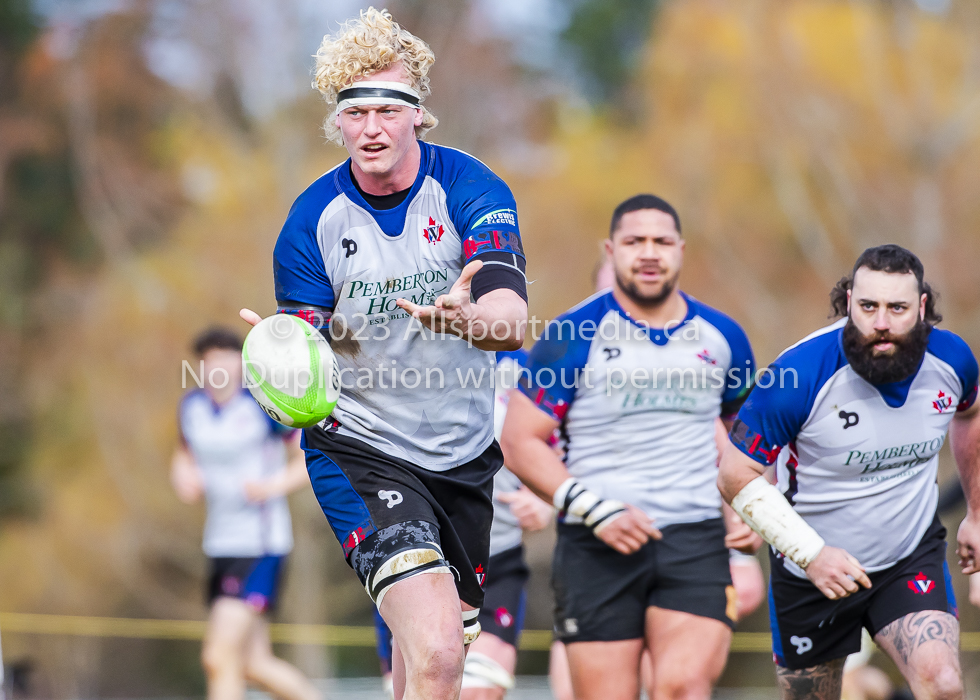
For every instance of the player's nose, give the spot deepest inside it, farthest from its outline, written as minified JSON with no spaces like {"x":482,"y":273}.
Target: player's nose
{"x":372,"y":125}
{"x":881,"y":321}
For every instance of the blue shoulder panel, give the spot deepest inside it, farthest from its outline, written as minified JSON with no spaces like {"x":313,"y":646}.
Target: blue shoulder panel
{"x":519,"y":356}
{"x":298,"y":265}
{"x":773,"y":415}
{"x":185,"y":400}
{"x":743,"y":360}
{"x":481,"y":205}
{"x":555,"y":360}
{"x":953,"y":350}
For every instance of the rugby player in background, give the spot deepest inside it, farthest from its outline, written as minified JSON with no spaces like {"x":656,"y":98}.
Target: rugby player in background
{"x":641,"y":559}
{"x":413,"y":251}
{"x":864,"y":406}
{"x":244,"y":464}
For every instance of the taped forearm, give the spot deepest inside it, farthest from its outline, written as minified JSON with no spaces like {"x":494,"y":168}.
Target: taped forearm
{"x":768,"y":512}
{"x":574,"y":499}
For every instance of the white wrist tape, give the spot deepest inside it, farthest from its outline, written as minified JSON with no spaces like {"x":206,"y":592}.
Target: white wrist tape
{"x":768,"y":512}
{"x":574,"y":499}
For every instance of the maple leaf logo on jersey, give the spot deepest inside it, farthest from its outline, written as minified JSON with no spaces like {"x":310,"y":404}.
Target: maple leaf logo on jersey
{"x":942,"y":402}
{"x":480,"y":575}
{"x":433,"y":232}
{"x":921,"y":584}
{"x":706,"y":357}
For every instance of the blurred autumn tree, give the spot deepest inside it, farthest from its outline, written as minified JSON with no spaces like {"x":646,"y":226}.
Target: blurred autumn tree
{"x":607,"y":39}
{"x":36,"y":208}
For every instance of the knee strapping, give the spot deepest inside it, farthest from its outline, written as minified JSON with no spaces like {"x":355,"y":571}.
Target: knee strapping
{"x":471,"y":626}
{"x":480,"y":671}
{"x":426,"y":559}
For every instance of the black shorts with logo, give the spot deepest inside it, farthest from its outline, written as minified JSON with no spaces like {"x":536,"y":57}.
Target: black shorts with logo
{"x":256,"y":580}
{"x":364,"y":491}
{"x":810,"y":629}
{"x":502,"y":614}
{"x":602,"y":595}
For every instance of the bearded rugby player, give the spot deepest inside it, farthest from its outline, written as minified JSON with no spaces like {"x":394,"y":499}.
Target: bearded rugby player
{"x":864,"y":406}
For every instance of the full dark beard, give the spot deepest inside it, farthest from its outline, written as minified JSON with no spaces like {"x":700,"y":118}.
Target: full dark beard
{"x":884,"y":369}
{"x":630,"y":289}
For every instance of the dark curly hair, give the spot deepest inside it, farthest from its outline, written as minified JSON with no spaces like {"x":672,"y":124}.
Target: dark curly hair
{"x":886,"y":258}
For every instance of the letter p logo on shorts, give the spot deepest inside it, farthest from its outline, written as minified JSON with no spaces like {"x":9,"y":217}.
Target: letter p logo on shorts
{"x":393,"y":497}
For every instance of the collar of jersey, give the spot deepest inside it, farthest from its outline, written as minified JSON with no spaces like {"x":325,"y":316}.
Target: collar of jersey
{"x":218,"y":408}
{"x":390,"y":221}
{"x":658,"y":336}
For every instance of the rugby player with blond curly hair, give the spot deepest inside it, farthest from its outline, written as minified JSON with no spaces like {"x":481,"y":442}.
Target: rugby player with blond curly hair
{"x":413,"y":253}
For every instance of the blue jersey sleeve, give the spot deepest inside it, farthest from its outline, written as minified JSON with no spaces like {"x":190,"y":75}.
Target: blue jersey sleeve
{"x":298,"y":265}
{"x":780,"y":403}
{"x":953,"y":350}
{"x":481,"y":205}
{"x":740,"y":373}
{"x":553,"y":367}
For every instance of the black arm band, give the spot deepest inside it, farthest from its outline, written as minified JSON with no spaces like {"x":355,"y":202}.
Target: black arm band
{"x":500,"y":271}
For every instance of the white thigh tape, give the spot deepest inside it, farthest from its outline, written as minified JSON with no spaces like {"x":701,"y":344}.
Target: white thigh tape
{"x":411,"y":562}
{"x":768,"y":512}
{"x":480,"y":671}
{"x":471,"y":626}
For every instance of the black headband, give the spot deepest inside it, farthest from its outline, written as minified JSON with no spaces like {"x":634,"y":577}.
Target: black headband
{"x":352,"y":93}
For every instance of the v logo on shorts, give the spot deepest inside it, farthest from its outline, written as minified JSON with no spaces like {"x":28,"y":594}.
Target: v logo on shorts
{"x":921,"y":584}
{"x":393,"y":497}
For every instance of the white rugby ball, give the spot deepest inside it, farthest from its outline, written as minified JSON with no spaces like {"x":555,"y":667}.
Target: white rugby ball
{"x":291,"y":371}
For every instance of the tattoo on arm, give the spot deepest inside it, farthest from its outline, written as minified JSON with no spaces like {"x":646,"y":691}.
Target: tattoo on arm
{"x":908,"y":633}
{"x":821,"y":682}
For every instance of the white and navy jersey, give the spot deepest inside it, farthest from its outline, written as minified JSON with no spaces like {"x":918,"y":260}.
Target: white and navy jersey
{"x":505,"y":531}
{"x":638,"y":405}
{"x":412,"y":394}
{"x":231,"y":444}
{"x":861,"y":467}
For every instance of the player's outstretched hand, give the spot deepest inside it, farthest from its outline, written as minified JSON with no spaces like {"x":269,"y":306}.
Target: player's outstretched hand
{"x":249,"y":316}
{"x":628,"y":532}
{"x":968,"y":544}
{"x":452,"y":312}
{"x":836,"y":573}
{"x":742,"y":538}
{"x":531,"y":512}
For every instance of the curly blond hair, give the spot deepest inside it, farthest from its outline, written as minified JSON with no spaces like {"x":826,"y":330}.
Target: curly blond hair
{"x":368,"y":44}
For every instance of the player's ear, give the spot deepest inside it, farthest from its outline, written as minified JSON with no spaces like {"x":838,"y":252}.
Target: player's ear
{"x":848,"y":302}
{"x":419,"y":116}
{"x":922,"y":306}
{"x":607,"y":245}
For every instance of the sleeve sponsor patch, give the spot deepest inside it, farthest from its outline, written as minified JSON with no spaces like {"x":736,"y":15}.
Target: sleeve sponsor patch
{"x":483,"y":241}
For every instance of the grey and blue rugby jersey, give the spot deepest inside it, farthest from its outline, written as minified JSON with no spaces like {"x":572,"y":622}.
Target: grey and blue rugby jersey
{"x":505,"y":530}
{"x":638,"y":405}
{"x":231,"y":444}
{"x":414,"y":395}
{"x":862,"y":458}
